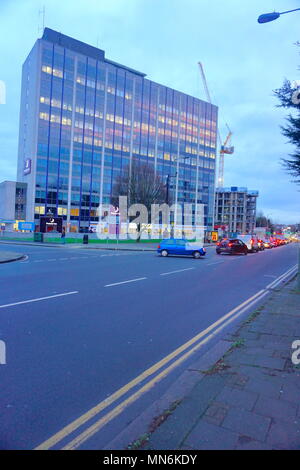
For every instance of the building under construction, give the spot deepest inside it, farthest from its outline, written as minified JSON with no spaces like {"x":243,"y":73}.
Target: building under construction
{"x":235,"y":209}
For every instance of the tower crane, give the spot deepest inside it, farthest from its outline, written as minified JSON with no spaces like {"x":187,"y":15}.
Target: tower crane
{"x":226,"y":147}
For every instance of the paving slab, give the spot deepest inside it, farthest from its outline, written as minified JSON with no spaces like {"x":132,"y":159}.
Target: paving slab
{"x":250,"y":399}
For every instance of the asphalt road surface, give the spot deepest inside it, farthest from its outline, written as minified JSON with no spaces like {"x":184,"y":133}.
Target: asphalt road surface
{"x":79,"y":327}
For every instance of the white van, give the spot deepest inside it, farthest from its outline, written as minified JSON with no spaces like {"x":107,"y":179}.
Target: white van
{"x":251,"y":241}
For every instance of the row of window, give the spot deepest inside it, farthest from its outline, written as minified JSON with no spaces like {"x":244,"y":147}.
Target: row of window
{"x":145,"y":128}
{"x":120,"y":92}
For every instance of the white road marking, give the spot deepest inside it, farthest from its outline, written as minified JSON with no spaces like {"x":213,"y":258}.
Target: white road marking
{"x":39,"y":299}
{"x":216,"y":262}
{"x":178,"y":271}
{"x":280,"y":278}
{"x":125,"y":282}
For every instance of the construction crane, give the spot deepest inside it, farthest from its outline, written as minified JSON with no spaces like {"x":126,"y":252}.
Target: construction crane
{"x":226,"y":147}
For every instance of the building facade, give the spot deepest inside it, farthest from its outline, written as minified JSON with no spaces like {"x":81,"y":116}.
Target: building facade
{"x":235,"y":209}
{"x":12,"y":204}
{"x":84,"y":118}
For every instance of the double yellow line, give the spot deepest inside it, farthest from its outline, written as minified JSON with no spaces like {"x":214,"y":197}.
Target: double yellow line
{"x":93,"y":412}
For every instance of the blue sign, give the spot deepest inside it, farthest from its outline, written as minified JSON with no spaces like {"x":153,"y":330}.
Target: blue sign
{"x":26,"y":226}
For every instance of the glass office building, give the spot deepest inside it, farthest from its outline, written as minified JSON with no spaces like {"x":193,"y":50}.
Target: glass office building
{"x":84,"y":118}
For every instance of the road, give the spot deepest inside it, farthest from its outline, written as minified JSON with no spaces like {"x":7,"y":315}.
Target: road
{"x":80,"y":325}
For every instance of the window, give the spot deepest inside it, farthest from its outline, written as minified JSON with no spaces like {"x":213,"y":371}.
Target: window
{"x":39,"y":210}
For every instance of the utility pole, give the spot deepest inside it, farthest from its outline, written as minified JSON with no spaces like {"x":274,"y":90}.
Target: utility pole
{"x":167,"y":189}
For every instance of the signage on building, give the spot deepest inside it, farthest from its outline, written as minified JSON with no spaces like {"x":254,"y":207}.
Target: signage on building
{"x":27,"y":166}
{"x":222,"y":227}
{"x":51,"y":224}
{"x":29,"y":226}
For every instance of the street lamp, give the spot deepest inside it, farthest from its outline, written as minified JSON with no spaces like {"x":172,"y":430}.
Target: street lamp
{"x":266,"y":17}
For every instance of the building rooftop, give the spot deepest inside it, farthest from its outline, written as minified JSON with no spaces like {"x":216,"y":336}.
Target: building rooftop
{"x":236,"y":189}
{"x":82,"y":48}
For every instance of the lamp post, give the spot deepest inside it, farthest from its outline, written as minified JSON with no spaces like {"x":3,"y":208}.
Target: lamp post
{"x":267,"y":17}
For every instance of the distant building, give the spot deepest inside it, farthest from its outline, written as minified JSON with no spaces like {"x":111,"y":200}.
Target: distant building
{"x":235,"y":209}
{"x":85,"y":118}
{"x":12,"y":203}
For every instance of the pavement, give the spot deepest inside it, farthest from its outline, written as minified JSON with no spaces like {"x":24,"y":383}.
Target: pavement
{"x":249,"y":398}
{"x":142,"y":246}
{"x":97,"y":337}
{"x":8,"y":256}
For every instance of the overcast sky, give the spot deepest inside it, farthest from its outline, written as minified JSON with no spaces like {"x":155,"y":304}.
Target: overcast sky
{"x":243,"y":60}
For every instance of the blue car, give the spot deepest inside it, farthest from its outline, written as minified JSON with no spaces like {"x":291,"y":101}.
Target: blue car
{"x":180,"y":246}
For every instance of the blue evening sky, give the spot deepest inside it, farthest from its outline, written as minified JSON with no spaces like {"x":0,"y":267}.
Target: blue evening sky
{"x":244,"y":61}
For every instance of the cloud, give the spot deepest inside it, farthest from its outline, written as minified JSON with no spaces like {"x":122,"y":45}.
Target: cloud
{"x":165,"y":39}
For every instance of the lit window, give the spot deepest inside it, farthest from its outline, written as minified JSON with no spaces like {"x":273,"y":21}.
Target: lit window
{"x":62,"y":211}
{"x":39,"y":210}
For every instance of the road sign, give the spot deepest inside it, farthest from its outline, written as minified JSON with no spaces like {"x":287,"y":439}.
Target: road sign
{"x":214,"y":236}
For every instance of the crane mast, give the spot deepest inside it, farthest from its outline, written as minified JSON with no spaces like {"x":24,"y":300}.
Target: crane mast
{"x":225,"y":148}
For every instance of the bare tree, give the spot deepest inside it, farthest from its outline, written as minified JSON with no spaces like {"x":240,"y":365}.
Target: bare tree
{"x":141,"y":186}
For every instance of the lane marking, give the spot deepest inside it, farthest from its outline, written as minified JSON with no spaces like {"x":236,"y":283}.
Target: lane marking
{"x":216,"y":262}
{"x":295,"y":269}
{"x":67,"y":430}
{"x":91,"y":430}
{"x":144,"y":375}
{"x":125,"y":282}
{"x":178,"y":271}
{"x":278,"y":279}
{"x":39,"y":299}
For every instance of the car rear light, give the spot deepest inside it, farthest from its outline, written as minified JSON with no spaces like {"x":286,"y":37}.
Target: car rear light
{"x":158,"y":247}
{"x":252,"y":241}
{"x":218,"y":243}
{"x":230,"y":244}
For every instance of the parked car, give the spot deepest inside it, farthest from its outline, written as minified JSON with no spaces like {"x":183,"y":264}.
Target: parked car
{"x":232,"y":246}
{"x":281,"y":240}
{"x":180,"y":246}
{"x":267,"y":243}
{"x":251,"y":241}
{"x":273,"y":242}
{"x":261,"y":245}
